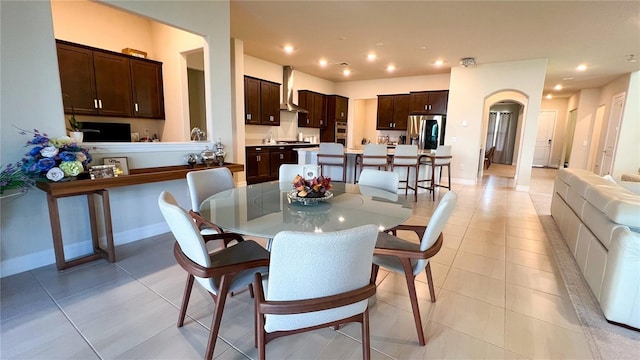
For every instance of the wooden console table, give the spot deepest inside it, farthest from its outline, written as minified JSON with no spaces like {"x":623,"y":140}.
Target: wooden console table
{"x":91,"y":188}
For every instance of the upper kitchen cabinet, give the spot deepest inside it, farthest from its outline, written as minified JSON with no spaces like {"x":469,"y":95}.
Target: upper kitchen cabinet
{"x":393,"y":112}
{"x":429,"y":102}
{"x":315,"y":103}
{"x":147,"y":89}
{"x":270,"y":103}
{"x":94,"y":82}
{"x":261,"y":102}
{"x":104,"y":83}
{"x":337,"y":107}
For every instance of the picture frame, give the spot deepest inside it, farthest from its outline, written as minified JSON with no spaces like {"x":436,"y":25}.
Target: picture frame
{"x":121,"y":164}
{"x":102,"y":172}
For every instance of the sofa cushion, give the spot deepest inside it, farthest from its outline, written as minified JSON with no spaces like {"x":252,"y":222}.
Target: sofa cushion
{"x":619,"y":204}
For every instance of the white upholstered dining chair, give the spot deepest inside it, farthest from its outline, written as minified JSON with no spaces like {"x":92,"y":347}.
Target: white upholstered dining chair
{"x":219,"y":272}
{"x":410,"y":259}
{"x":205,"y":183}
{"x":315,"y":280}
{"x":385,"y":180}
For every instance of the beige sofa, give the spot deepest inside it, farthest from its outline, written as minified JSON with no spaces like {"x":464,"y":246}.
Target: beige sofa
{"x":600,"y":221}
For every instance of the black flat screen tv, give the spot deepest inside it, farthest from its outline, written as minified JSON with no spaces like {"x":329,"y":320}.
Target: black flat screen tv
{"x":106,"y":132}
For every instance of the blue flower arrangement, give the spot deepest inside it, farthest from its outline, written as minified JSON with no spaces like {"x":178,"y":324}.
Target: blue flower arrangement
{"x":52,"y":159}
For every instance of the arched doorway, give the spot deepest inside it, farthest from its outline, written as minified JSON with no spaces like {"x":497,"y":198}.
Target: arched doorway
{"x":506,"y":101}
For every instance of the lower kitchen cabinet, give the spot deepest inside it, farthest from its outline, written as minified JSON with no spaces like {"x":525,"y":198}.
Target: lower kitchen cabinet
{"x":258,"y":165}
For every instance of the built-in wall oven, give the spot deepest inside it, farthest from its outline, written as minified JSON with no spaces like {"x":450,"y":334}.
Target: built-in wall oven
{"x":341,"y":133}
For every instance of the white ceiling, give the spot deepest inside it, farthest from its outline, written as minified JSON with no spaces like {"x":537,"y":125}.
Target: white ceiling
{"x":413,"y":34}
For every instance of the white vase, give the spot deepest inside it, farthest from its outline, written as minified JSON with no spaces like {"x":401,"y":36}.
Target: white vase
{"x":77,"y":136}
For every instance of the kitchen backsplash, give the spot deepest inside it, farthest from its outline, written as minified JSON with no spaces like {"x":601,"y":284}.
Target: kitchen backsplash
{"x":288,"y":130}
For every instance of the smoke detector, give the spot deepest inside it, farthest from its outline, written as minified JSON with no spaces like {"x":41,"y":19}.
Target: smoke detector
{"x":468,"y":61}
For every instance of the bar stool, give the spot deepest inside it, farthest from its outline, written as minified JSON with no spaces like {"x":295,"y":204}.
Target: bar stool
{"x":443,"y":158}
{"x":406,"y":156}
{"x":374,"y":155}
{"x":332,"y":154}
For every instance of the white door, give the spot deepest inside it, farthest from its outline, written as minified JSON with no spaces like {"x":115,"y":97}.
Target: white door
{"x":544,"y":138}
{"x":611,"y":141}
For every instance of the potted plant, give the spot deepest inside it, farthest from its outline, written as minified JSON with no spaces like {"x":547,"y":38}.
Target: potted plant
{"x":75,"y":129}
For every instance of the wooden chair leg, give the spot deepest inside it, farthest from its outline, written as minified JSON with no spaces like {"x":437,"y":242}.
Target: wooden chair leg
{"x":366,"y":338}
{"x":408,"y":273}
{"x":219,"y":301}
{"x":432,"y":291}
{"x":374,"y":272}
{"x":185,"y":299}
{"x":449,"y":175}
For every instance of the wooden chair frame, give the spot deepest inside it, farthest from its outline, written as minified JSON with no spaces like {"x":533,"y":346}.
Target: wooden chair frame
{"x":406,"y":251}
{"x":226,"y":264}
{"x":263,"y":307}
{"x":343,"y":157}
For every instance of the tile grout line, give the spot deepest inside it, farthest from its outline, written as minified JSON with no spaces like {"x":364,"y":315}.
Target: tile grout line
{"x":66,"y":316}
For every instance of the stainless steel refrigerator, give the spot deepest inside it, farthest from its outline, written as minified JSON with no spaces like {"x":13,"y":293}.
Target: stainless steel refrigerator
{"x":426,"y":131}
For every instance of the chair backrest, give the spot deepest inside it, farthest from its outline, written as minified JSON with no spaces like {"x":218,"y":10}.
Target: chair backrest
{"x":305,"y":265}
{"x":289,"y":171}
{"x":405,"y":155}
{"x":443,"y":150}
{"x":335,"y":152}
{"x":436,"y":225}
{"x":204,"y":183}
{"x":385,"y":180}
{"x":187,"y":234}
{"x":375,"y":154}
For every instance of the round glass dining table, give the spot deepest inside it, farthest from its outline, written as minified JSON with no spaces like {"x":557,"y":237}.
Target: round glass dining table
{"x":264,"y":209}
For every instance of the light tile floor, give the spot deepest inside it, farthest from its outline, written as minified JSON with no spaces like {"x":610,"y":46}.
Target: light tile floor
{"x":499,"y":296}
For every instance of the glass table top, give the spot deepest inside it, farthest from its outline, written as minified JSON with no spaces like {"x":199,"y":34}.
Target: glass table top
{"x":264,"y":209}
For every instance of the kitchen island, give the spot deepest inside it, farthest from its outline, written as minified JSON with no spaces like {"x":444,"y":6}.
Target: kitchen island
{"x":310,"y":156}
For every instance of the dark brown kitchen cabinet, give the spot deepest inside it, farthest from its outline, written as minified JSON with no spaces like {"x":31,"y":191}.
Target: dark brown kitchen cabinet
{"x":280,"y":155}
{"x":315,"y":104}
{"x":94,"y":82}
{"x":261,"y":102}
{"x":252,"y":105}
{"x":270,"y":103}
{"x":104,"y":83}
{"x":393,"y":112}
{"x":429,"y":102}
{"x":258,"y":165}
{"x":337,"y":107}
{"x":147,"y":89}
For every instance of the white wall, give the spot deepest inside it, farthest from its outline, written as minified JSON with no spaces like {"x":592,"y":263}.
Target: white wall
{"x":30,"y":76}
{"x":587,"y":106}
{"x":469,"y":89}
{"x":627,"y":159}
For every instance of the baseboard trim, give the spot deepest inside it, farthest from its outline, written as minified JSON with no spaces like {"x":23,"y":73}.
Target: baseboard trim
{"x":47,"y":257}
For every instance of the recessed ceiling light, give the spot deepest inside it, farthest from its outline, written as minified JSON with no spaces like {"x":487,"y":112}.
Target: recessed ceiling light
{"x":439,"y":63}
{"x":422,"y":48}
{"x":549,"y":96}
{"x":558,"y":87}
{"x":288,"y":49}
{"x":581,"y":67}
{"x":371,"y":56}
{"x":379,"y":44}
{"x":323,"y":62}
{"x":346,"y":72}
{"x":391,"y":68}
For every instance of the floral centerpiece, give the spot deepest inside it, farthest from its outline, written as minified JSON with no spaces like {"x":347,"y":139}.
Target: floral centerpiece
{"x":314,"y":188}
{"x":53,"y":159}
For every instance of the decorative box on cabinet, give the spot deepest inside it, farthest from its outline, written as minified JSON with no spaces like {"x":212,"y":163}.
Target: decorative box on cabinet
{"x":429,"y":102}
{"x":393,"y":112}
{"x":315,"y":104}
{"x":261,"y":102}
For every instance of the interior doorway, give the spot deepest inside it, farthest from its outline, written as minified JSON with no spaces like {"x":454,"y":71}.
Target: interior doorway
{"x":613,"y":133}
{"x":197,"y":97}
{"x":503,"y":126}
{"x":544,"y":138}
{"x":571,"y":129}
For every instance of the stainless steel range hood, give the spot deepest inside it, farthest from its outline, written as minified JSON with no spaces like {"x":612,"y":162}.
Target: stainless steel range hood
{"x":287,"y":92}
